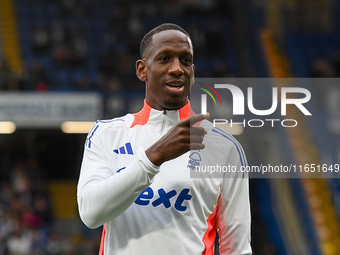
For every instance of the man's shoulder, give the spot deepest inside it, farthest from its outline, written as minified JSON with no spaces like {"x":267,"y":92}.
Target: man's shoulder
{"x":220,"y":142}
{"x":104,"y":130}
{"x":115,"y":123}
{"x":220,"y":136}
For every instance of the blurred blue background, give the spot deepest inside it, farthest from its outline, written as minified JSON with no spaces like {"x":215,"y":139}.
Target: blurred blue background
{"x":62,"y":47}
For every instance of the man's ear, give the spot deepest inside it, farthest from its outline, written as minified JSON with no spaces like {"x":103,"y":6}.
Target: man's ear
{"x":193,"y":74}
{"x":141,"y":70}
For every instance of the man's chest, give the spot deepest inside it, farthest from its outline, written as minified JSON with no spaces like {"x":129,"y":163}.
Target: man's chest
{"x":177,"y":186}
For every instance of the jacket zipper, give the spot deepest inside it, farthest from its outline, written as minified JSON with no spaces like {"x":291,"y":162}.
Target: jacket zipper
{"x":163,"y":122}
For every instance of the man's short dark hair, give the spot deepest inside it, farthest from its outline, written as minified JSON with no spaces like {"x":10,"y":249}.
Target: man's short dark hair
{"x":147,"y":39}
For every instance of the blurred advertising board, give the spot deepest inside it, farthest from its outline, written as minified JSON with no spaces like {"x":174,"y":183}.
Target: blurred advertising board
{"x":49,"y":110}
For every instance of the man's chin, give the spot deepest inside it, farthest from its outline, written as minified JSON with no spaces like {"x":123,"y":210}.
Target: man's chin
{"x":174,"y":105}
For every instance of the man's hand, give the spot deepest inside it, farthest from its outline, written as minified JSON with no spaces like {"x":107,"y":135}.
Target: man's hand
{"x":181,"y":138}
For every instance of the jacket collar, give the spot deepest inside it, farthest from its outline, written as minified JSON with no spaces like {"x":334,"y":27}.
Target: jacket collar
{"x":148,"y":114}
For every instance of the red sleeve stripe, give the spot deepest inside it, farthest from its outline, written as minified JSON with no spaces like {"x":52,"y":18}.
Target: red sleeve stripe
{"x":210,"y":235}
{"x":101,"y":249}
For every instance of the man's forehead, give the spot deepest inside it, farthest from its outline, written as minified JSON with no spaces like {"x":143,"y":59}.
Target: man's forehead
{"x":168,"y":37}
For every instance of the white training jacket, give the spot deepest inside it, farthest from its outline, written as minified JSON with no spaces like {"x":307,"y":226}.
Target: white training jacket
{"x":172,"y":209}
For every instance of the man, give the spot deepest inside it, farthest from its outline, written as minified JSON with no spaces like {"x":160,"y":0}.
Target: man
{"x":135,"y":175}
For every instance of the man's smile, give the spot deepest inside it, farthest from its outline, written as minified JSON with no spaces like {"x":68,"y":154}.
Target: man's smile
{"x":175,"y":86}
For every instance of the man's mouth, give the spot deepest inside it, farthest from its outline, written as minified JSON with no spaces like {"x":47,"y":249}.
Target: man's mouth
{"x":175,"y":86}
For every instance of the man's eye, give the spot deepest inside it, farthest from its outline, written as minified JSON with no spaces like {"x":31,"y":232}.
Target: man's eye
{"x":187,"y":60}
{"x":164,"y":58}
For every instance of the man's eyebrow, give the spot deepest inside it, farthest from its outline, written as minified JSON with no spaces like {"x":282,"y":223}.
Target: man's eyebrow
{"x":163,"y":50}
{"x":171,"y":50}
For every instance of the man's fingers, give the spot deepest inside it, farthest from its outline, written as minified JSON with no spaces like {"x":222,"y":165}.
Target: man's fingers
{"x":197,"y":146}
{"x":198,"y":131}
{"x":196,"y":118}
{"x":196,"y":139}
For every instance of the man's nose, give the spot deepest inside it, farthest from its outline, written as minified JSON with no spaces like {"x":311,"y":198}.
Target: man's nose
{"x":176,"y":67}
